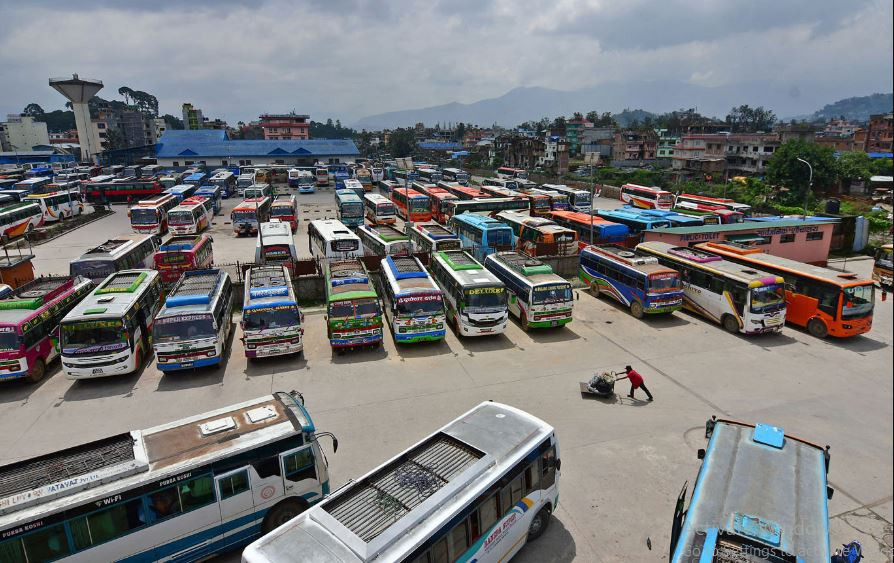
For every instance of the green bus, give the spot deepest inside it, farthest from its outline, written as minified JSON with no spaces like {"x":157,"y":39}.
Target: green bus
{"x":354,"y":315}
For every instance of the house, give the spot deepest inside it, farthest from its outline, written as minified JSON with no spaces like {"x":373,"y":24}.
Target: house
{"x":880,"y":134}
{"x":285,"y":126}
{"x":634,"y":148}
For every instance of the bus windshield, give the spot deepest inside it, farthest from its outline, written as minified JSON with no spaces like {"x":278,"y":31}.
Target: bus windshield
{"x":420,"y":305}
{"x":485,"y":298}
{"x":499,"y":237}
{"x":767,"y":299}
{"x":666,"y":199}
{"x":385,"y":209}
{"x":277,"y":253}
{"x":664,"y":282}
{"x":93,"y":269}
{"x":419,"y":204}
{"x":93,"y":337}
{"x":142,"y":216}
{"x":183,"y":327}
{"x":9,"y":340}
{"x":244,"y":216}
{"x":352,"y":209}
{"x":270,"y":318}
{"x":553,"y":293}
{"x":172,"y":257}
{"x":180,"y":218}
{"x":358,"y":308}
{"x":858,"y":301}
{"x":282,"y":211}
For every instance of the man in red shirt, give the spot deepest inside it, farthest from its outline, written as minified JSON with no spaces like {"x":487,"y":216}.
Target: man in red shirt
{"x":636,"y":382}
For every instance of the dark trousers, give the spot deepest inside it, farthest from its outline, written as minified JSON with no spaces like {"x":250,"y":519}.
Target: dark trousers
{"x":643,"y":387}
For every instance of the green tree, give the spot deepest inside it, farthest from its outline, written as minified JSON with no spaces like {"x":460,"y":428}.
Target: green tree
{"x":33,"y":110}
{"x":853,"y":167}
{"x":460,"y":132}
{"x":402,"y":142}
{"x":784,"y":170}
{"x":173,"y":122}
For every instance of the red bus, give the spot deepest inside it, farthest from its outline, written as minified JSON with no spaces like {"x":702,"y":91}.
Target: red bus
{"x":29,"y":317}
{"x":646,"y":197}
{"x":439,"y":207}
{"x":725,"y":215}
{"x":716,"y":202}
{"x":249,"y":214}
{"x":181,"y":253}
{"x":505,"y":172}
{"x":120,"y":191}
{"x":150,"y":216}
{"x":463,"y":192}
{"x":419,"y":205}
{"x":285,"y":208}
{"x":540,"y":204}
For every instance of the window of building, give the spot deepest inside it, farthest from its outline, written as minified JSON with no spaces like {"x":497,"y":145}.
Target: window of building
{"x":763,"y":241}
{"x":188,"y":162}
{"x":790,"y":237}
{"x":175,"y":163}
{"x":815,"y":236}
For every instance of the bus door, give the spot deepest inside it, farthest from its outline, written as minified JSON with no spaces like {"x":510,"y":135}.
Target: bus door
{"x":236,"y":498}
{"x":299,"y":472}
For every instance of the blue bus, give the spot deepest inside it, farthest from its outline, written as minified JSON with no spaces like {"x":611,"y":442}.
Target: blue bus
{"x":338,"y":173}
{"x":182,"y":191}
{"x":760,"y":495}
{"x":349,"y":207}
{"x":482,"y":235}
{"x":676,"y":219}
{"x":635,"y":280}
{"x":214,"y":194}
{"x":196,"y":178}
{"x":635,"y":222}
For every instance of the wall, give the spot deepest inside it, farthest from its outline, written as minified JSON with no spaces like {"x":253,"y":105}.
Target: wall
{"x":23,"y":133}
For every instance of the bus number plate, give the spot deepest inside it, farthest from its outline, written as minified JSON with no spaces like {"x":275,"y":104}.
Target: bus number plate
{"x":97,"y":371}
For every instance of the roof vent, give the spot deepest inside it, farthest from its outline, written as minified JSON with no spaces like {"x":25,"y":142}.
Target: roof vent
{"x":772,"y":436}
{"x":260,"y":414}
{"x":217,"y":426}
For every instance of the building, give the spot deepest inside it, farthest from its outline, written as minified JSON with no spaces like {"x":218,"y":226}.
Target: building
{"x":840,"y":128}
{"x":666,"y":143}
{"x":800,"y":131}
{"x":747,"y":154}
{"x":838,"y":143}
{"x":574,"y":129}
{"x":22,"y":133}
{"x":555,"y":155}
{"x":597,"y":140}
{"x":634,"y":148}
{"x":709,"y":156}
{"x":122,"y":129}
{"x":213,"y":148}
{"x":192,"y":117}
{"x":51,"y":153}
{"x":65,"y":137}
{"x":159,"y":127}
{"x":285,"y":126}
{"x":880,"y":134}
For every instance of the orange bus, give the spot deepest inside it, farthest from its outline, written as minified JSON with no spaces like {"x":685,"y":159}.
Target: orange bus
{"x":827,"y":302}
{"x":181,"y":253}
{"x":537,"y":236}
{"x":440,"y":211}
{"x":462,"y":192}
{"x":419,"y":205}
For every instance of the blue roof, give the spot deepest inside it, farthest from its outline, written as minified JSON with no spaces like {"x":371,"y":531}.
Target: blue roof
{"x":216,"y":144}
{"x":440,"y":146}
{"x":881,"y":155}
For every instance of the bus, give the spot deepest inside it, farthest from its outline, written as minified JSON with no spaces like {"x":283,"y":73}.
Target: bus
{"x":475,"y":299}
{"x":272,"y":323}
{"x":349,"y":207}
{"x":379,"y":209}
{"x":721,"y":202}
{"x":489,"y":205}
{"x":182,"y":191}
{"x":196,"y":179}
{"x":497,"y":191}
{"x":430,"y":175}
{"x":364,"y":176}
{"x":476,"y":490}
{"x":387,"y":187}
{"x":483,"y":235}
{"x":276,"y":245}
{"x":824,"y":301}
{"x":338,"y":173}
{"x":353,"y":186}
{"x":432,"y":237}
{"x":787,"y":521}
{"x":504,"y":183}
{"x":58,"y":206}
{"x":538,"y":236}
{"x":331,"y":239}
{"x":132,"y":171}
{"x":249,"y":214}
{"x":412,"y":301}
{"x":440,"y":206}
{"x":59,"y":185}
{"x":181,"y":253}
{"x":537,"y":296}
{"x":883,"y":268}
{"x":150,"y":171}
{"x":635,"y":280}
{"x":120,"y":190}
{"x":33,"y":185}
{"x":583,"y":223}
{"x":183,"y":490}
{"x":725,"y":216}
{"x":108,"y":332}
{"x":635,"y":222}
{"x":674,"y":218}
{"x":259,"y":190}
{"x":243,"y":181}
{"x":557,"y":201}
{"x":29,"y":319}
{"x":463,"y":192}
{"x":192,"y":329}
{"x":740,"y":299}
{"x":646,"y":197}
{"x":578,"y":200}
{"x":213,"y":194}
{"x":285,"y":208}
{"x":321,"y":176}
{"x":506,"y":173}
{"x":457,"y":175}
{"x":226,"y":181}
{"x":706,"y":217}
{"x":126,"y":252}
{"x":193,"y":215}
{"x":305,"y":182}
{"x":171,"y":179}
{"x":43,"y":171}
{"x":419,"y":205}
{"x":150,"y":216}
{"x":353,"y":312}
{"x":384,"y":240}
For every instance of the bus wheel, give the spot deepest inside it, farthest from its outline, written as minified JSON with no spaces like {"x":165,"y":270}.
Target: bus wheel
{"x":524,"y":321}
{"x":30,"y":227}
{"x":539,"y":524}
{"x":282,"y":513}
{"x":636,"y":309}
{"x":817,"y":328}
{"x":4,"y":238}
{"x":730,"y":324}
{"x":37,"y":371}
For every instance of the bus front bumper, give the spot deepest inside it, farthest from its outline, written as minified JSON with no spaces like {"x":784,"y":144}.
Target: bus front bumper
{"x":278,"y":349}
{"x":410,"y":338}
{"x":174,"y":366}
{"x":549,"y":323}
{"x":86,"y":371}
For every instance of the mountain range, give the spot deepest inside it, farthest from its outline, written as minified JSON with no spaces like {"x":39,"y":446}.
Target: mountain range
{"x":531,"y":103}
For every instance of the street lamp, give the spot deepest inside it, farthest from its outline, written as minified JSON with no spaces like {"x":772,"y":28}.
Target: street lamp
{"x":809,"y":185}
{"x":592,"y":203}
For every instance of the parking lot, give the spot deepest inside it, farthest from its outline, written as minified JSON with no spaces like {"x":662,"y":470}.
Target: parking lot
{"x":624,"y":461}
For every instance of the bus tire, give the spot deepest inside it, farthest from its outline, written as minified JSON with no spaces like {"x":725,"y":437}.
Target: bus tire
{"x":636,"y":309}
{"x":30,"y":228}
{"x":730,"y":324}
{"x":523,"y":320}
{"x":37,"y":371}
{"x":282,"y":513}
{"x":817,"y":328}
{"x":539,"y":523}
{"x":4,"y":238}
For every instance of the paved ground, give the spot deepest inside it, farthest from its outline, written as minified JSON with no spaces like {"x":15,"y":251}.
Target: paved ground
{"x":624,"y":461}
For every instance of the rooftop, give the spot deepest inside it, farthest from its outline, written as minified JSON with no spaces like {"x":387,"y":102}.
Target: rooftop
{"x":746,"y":226}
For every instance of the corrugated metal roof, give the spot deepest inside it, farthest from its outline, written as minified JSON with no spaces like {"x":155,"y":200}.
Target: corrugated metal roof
{"x":216,"y":144}
{"x":443,"y":146}
{"x":746,"y":226}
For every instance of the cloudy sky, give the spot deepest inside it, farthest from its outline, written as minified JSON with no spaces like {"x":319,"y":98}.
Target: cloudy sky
{"x":352,"y":58}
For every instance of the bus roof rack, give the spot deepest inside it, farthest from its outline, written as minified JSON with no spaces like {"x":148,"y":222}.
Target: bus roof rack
{"x":267,"y":281}
{"x":122,"y":282}
{"x":524,"y":264}
{"x":459,"y":260}
{"x":107,"y":246}
{"x":405,"y":267}
{"x":194,"y":288}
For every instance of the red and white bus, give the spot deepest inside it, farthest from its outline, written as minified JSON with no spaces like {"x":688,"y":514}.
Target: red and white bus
{"x":181,"y":253}
{"x":249,"y":214}
{"x":463,"y":192}
{"x":285,"y":209}
{"x":321,"y":176}
{"x":506,"y":173}
{"x":121,"y":190}
{"x":18,"y":219}
{"x":29,"y":318}
{"x":724,"y":215}
{"x":716,"y":202}
{"x":192,"y":216}
{"x":646,"y":197}
{"x":440,"y":208}
{"x":150,"y":216}
{"x":418,"y":205}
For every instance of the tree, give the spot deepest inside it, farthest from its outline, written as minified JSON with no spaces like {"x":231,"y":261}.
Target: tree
{"x":402,"y":142}
{"x":786,"y":171}
{"x":460,"y":132}
{"x":745,"y":119}
{"x":173,"y":122}
{"x":126,"y":93}
{"x":854,"y":167}
{"x":33,"y":110}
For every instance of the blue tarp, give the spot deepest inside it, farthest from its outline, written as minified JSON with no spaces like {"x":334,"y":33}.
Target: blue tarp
{"x":214,"y":143}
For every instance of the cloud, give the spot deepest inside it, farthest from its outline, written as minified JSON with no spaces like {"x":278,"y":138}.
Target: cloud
{"x":350,"y":58}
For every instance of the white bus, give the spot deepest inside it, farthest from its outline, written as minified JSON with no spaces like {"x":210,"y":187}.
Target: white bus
{"x":379,"y":209}
{"x":457,"y":175}
{"x":180,"y":491}
{"x":537,"y":296}
{"x":271,"y":319}
{"x":126,"y":252}
{"x":474,"y":297}
{"x":192,"y":330}
{"x":578,"y":200}
{"x":738,"y":297}
{"x":58,"y":206}
{"x":19,"y":219}
{"x":384,"y":240}
{"x":475,"y":490}
{"x":226,"y":181}
{"x":432,"y":237}
{"x":108,"y":332}
{"x":329,"y":238}
{"x":276,"y":245}
{"x":504,"y":183}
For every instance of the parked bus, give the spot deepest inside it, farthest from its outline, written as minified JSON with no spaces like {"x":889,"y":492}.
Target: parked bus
{"x":338,"y":173}
{"x":150,"y":216}
{"x":722,"y":202}
{"x":707,"y":217}
{"x":353,"y":186}
{"x":482,"y":235}
{"x":384,"y":240}
{"x":119,"y":190}
{"x":824,"y":301}
{"x":226,"y":181}
{"x":761,"y":495}
{"x":457,"y":175}
{"x":432,"y":237}
{"x":557,"y":201}
{"x":192,"y":329}
{"x":505,"y":183}
{"x":60,"y":185}
{"x":259,"y":190}
{"x":538,"y":236}
{"x":150,"y":171}
{"x":249,"y":214}
{"x":285,"y":208}
{"x":44,"y":171}
{"x":674,"y":218}
{"x":379,"y":209}
{"x":603,"y":231}
{"x":463,"y":192}
{"x":179,"y":254}
{"x":353,"y":313}
{"x":33,"y":184}
{"x":475,"y":299}
{"x":276,"y":246}
{"x":646,"y":197}
{"x":331,"y":239}
{"x":387,"y":187}
{"x":497,"y":191}
{"x":883,"y":268}
{"x":132,"y":171}
{"x":490,"y":484}
{"x":578,"y":200}
{"x":419,"y":205}
{"x":635,"y":222}
{"x":58,"y":206}
{"x":430,"y":175}
{"x":364,"y":176}
{"x":271,"y":320}
{"x":196,"y":179}
{"x":537,"y":296}
{"x":243,"y":181}
{"x":108,"y":332}
{"x":506,"y":173}
{"x":171,"y":179}
{"x":321,"y":176}
{"x":412,"y":301}
{"x":193,"y":215}
{"x":741,"y":299}
{"x":440,"y":204}
{"x":349,"y":207}
{"x":634,"y":279}
{"x":184,"y":490}
{"x":305,"y":182}
{"x":213,"y":194}
{"x":29,"y":319}
{"x":182,"y":191}
{"x":126,"y":252}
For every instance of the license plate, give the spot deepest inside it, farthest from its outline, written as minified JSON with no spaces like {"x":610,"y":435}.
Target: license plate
{"x":97,"y":370}
{"x":554,"y":323}
{"x":186,"y":364}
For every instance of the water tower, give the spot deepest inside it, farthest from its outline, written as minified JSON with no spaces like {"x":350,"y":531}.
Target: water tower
{"x":79,"y":91}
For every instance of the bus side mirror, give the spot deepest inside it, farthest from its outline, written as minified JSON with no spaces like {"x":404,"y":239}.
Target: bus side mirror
{"x":701,"y":453}
{"x":829,"y":492}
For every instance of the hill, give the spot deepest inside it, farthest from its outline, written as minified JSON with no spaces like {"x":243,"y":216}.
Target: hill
{"x":858,"y":108}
